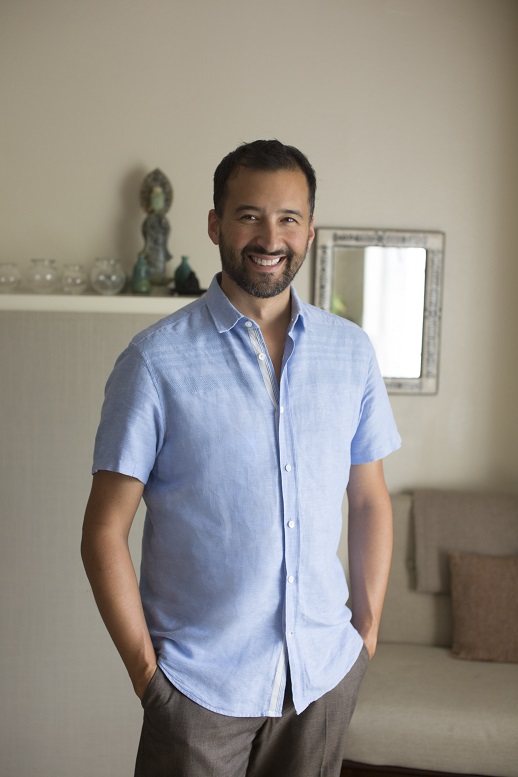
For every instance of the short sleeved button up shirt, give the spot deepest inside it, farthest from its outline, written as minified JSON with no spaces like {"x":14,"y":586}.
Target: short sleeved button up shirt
{"x":244,"y":482}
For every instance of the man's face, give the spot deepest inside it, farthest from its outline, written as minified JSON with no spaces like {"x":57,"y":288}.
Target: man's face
{"x":265,"y":230}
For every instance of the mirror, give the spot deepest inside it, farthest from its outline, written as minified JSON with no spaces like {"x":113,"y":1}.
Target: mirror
{"x":389,"y":282}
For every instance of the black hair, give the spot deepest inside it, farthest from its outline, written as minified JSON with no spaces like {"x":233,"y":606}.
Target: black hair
{"x":269,"y":155}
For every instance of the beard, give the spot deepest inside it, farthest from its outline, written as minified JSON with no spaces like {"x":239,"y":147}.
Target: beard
{"x":238,"y":267}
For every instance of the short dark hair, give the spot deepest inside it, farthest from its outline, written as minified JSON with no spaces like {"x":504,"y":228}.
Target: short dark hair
{"x":269,"y":155}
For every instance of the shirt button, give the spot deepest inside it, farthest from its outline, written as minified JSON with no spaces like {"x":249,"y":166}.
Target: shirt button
{"x":291,"y":524}
{"x":248,"y":324}
{"x":291,"y":579}
{"x":288,"y":467}
{"x":262,"y":357}
{"x":281,"y":409}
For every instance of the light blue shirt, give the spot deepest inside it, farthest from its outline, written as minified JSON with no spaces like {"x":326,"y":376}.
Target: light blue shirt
{"x":244,"y":486}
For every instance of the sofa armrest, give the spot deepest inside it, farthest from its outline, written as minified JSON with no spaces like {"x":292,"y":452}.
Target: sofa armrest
{"x":409,"y":616}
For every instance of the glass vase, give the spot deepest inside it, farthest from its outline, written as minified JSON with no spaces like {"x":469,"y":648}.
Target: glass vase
{"x":74,"y":279}
{"x":107,"y":276}
{"x":10,"y":277}
{"x":43,"y":276}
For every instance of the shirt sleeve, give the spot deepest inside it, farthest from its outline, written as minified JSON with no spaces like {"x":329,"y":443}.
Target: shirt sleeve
{"x":376,"y":435}
{"x":131,"y":429}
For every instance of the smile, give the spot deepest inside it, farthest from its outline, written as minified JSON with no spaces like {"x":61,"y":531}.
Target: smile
{"x":266,"y":262}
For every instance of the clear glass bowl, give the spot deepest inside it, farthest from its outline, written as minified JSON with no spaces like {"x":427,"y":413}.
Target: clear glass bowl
{"x":74,"y":279}
{"x":10,"y":277}
{"x":107,"y":276}
{"x":43,"y":276}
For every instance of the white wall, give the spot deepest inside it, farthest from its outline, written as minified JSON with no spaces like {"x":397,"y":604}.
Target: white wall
{"x":408,"y":111}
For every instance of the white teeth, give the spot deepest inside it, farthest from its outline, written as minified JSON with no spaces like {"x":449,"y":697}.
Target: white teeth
{"x":266,"y":262}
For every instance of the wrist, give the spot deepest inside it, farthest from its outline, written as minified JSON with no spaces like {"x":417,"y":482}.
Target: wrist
{"x":143,"y":678}
{"x":370,"y":643}
{"x":368,"y":631}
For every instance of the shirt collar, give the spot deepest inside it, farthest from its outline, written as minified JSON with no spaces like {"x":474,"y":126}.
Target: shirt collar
{"x":297,"y":311}
{"x":226,"y":316}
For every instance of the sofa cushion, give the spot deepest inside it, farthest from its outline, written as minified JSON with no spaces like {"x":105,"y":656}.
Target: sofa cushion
{"x":460,"y":520}
{"x":484,"y":592}
{"x":421,"y":708}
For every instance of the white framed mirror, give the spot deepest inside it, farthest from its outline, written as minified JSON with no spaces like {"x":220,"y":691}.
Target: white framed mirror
{"x":389,"y":282}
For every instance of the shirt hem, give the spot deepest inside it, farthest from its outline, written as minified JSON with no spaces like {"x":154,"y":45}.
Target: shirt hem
{"x":121,"y":469}
{"x":218,"y":710}
{"x":378,"y":454}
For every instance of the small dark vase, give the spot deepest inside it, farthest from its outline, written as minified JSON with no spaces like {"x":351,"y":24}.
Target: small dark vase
{"x":185,"y":279}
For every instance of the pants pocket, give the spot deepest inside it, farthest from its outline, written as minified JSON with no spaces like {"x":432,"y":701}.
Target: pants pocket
{"x":158,"y":692}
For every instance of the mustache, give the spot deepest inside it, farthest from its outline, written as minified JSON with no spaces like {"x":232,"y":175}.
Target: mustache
{"x":257,"y":249}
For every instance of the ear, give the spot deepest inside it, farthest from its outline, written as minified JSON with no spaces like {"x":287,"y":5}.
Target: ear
{"x":213,"y":227}
{"x":311,"y":235}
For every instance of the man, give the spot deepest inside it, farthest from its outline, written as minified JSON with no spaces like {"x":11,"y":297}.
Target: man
{"x":241,"y":420}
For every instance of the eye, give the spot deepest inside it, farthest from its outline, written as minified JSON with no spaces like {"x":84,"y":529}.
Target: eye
{"x":248,"y":217}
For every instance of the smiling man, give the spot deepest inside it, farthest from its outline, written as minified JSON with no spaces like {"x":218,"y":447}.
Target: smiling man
{"x":241,"y":420}
{"x":263,"y":245}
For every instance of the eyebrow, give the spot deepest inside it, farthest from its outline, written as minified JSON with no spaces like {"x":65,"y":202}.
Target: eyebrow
{"x":285,"y":211}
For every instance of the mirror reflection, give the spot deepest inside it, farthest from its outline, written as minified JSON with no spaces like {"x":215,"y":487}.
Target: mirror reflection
{"x":389,"y":283}
{"x":382,"y":290}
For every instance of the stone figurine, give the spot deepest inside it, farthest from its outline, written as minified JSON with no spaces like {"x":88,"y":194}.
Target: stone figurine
{"x":156,"y":196}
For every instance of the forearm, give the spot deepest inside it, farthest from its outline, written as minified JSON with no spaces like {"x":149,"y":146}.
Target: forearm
{"x":370,"y":554}
{"x":109,"y":567}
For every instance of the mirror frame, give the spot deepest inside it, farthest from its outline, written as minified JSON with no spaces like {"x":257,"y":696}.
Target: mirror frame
{"x":328,"y":239}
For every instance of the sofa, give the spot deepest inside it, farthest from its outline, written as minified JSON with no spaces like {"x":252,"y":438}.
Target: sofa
{"x":441,"y":692}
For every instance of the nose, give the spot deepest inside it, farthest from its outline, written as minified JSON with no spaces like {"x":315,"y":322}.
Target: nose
{"x":267,"y":236}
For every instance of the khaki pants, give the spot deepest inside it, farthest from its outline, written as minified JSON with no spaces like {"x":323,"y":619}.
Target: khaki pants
{"x":182,"y":739}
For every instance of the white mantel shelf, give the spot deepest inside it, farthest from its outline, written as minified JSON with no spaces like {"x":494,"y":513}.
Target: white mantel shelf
{"x":94,"y":303}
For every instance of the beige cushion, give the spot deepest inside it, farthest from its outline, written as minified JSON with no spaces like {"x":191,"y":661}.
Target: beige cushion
{"x":484,"y":592}
{"x":420,"y":708}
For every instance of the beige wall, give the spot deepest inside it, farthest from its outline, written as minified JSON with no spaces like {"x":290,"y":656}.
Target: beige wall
{"x":407,"y":109}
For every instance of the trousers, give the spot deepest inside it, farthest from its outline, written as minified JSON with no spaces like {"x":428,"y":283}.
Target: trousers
{"x":182,"y":739}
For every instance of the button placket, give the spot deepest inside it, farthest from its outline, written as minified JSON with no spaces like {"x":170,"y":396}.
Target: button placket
{"x":291,"y":527}
{"x":259,"y":348}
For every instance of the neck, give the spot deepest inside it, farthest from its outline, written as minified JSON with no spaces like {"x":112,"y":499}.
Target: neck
{"x":269,"y":313}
